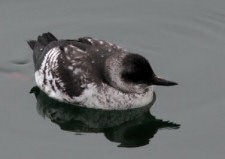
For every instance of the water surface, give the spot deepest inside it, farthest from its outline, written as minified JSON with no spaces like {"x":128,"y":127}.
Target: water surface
{"x":183,"y":40}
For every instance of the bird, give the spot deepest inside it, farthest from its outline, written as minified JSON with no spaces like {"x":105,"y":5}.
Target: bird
{"x":93,"y":73}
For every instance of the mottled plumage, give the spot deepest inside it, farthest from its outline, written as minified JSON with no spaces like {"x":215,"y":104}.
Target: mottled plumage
{"x":92,"y":73}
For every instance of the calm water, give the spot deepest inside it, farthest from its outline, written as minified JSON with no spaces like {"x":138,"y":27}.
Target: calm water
{"x":183,"y":40}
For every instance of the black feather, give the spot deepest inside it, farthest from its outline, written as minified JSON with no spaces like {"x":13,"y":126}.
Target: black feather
{"x":41,"y":46}
{"x":31,"y":43}
{"x":46,"y":38}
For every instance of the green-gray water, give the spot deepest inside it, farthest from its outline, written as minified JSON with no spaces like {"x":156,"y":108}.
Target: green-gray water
{"x":183,"y":40}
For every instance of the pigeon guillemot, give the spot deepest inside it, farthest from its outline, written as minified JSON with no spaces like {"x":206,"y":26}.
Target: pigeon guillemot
{"x":93,"y":73}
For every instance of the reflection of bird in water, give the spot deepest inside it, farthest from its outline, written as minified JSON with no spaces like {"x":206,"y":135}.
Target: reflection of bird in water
{"x":130,"y":128}
{"x":93,"y":73}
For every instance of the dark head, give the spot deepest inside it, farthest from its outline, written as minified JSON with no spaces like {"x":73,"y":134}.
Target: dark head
{"x":137,"y":70}
{"x":131,"y":73}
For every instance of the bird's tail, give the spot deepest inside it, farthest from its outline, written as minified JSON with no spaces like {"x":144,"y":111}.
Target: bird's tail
{"x":43,"y":40}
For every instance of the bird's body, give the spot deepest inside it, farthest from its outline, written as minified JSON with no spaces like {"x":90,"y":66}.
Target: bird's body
{"x":91,"y":73}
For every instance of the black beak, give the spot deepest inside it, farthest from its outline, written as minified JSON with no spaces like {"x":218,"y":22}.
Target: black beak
{"x":162,"y":82}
